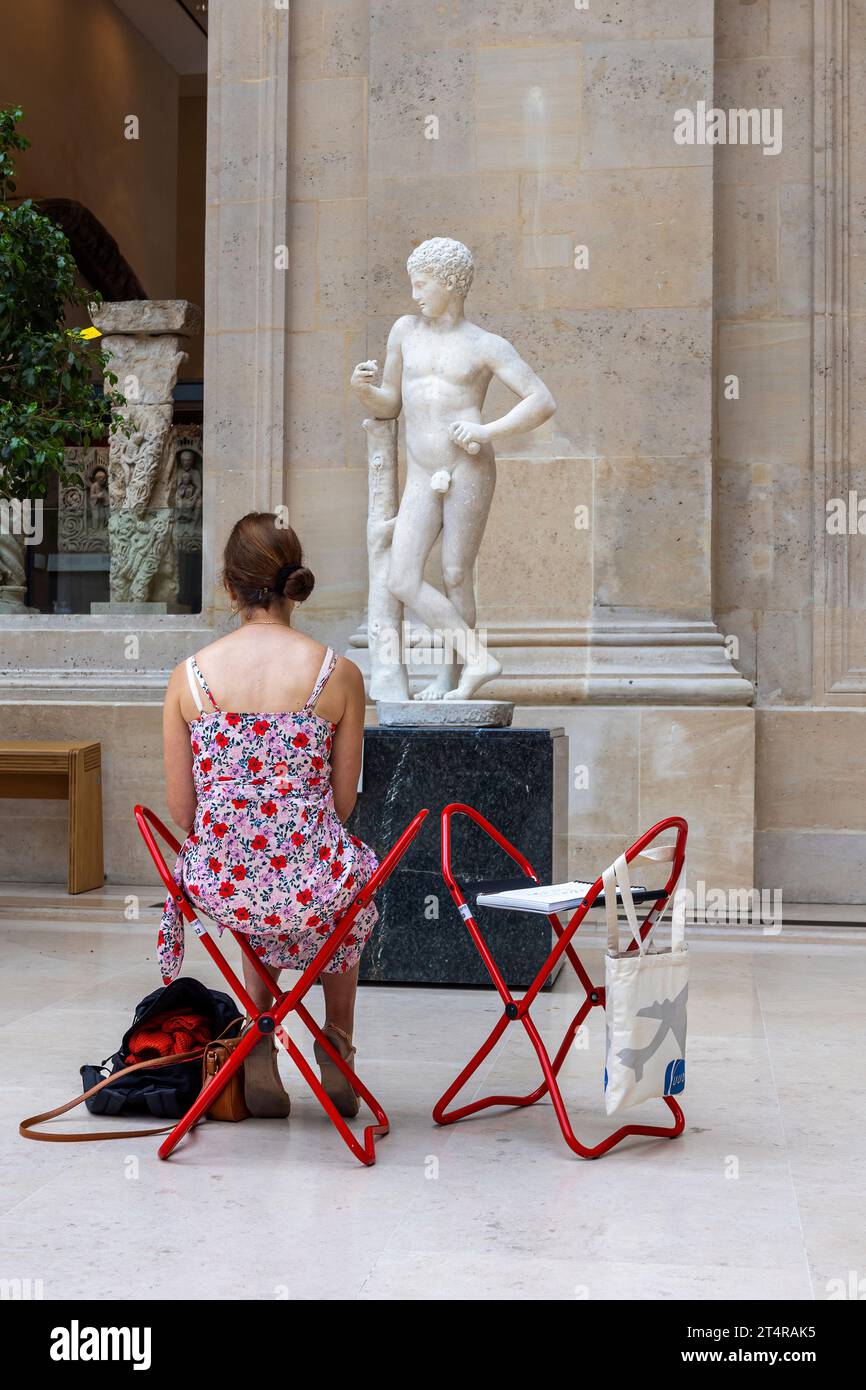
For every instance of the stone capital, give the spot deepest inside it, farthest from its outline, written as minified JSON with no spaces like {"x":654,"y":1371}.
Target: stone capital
{"x":148,"y":317}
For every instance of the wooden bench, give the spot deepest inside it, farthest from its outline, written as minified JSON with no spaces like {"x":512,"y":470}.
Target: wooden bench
{"x":66,"y":771}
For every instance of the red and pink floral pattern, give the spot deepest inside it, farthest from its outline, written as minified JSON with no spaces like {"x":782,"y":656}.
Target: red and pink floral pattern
{"x":267,"y":855}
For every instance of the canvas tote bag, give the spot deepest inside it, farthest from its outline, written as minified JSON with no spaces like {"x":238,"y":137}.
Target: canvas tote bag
{"x":646,"y":993}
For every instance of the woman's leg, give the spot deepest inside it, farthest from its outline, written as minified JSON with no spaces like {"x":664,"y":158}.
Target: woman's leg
{"x":265,"y":1094}
{"x":256,"y":986}
{"x":340,"y":991}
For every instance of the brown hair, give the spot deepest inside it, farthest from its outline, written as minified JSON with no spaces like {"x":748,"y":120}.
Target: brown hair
{"x":263,"y":563}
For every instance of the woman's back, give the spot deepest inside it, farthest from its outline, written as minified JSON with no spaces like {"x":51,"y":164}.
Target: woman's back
{"x":266,"y":668}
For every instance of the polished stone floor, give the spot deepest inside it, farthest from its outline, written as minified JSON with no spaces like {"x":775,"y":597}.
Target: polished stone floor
{"x":764,"y":1196}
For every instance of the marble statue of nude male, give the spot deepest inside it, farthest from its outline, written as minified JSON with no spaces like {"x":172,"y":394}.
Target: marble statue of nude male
{"x":437,"y":370}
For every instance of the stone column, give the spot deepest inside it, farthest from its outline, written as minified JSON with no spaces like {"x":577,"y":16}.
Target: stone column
{"x":247,"y":271}
{"x":143,"y":339}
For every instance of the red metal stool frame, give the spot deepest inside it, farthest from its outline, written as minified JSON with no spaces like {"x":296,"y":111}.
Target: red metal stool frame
{"x":269,"y":1020}
{"x":518,"y":1009}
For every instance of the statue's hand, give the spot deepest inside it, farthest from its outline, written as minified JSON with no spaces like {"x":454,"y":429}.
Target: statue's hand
{"x":364,"y":375}
{"x":469,"y":434}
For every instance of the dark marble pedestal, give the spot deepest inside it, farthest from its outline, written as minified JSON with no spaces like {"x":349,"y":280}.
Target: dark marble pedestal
{"x":518,"y":779}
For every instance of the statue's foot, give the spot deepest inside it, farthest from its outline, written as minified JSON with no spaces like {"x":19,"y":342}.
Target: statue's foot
{"x":475,"y":674}
{"x":438,"y":688}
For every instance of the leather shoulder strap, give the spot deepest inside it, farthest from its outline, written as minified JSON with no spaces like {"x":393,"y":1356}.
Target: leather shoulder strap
{"x":25,"y":1129}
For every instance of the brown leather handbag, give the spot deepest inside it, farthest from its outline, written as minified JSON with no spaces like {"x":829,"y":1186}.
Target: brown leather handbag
{"x":229,"y":1104}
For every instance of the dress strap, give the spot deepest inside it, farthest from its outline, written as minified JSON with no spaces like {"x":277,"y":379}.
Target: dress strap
{"x":193,"y":667}
{"x":190,"y":675}
{"x":325,"y":670}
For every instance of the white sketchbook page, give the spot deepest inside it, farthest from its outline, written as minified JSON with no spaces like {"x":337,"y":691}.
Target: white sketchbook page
{"x":555,"y":897}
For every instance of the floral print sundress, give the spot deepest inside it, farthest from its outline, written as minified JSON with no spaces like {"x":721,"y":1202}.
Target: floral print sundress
{"x":267,"y":855}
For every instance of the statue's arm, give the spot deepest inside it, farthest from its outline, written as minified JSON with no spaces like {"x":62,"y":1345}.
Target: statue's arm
{"x":385,"y":401}
{"x":536,"y":404}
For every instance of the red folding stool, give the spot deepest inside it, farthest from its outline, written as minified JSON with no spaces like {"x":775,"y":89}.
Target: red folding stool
{"x":269,"y":1020}
{"x":519,"y":1008}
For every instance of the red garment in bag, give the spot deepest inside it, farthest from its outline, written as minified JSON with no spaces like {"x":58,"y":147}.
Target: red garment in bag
{"x":166,"y":1034}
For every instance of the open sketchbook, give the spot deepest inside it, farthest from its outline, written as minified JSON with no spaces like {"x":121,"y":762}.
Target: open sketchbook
{"x":554,"y":897}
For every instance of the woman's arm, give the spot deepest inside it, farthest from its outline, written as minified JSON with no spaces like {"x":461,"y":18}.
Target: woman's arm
{"x":177,"y":755}
{"x":348,"y":744}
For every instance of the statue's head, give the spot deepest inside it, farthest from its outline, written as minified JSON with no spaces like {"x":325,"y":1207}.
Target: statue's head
{"x":438,"y":270}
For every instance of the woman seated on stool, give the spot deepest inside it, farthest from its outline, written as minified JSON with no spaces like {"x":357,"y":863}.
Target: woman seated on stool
{"x":263,"y":734}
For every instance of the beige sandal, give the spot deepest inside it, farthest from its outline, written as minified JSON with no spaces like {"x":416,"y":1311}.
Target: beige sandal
{"x":264,"y":1092}
{"x":333,"y":1081}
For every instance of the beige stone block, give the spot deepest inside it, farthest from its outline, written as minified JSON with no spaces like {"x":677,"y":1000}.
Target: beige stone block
{"x":480,"y":210}
{"x":303,"y":268}
{"x":792,"y":27}
{"x":328,"y":509}
{"x":770,"y":422}
{"x":531,"y":537}
{"x":727,"y":866}
{"x":328,"y":138}
{"x":421,"y":112}
{"x":763,"y":525}
{"x":784,"y":656}
{"x":727,"y":863}
{"x":739,"y":629}
{"x":630,"y":93}
{"x":700,"y":764}
{"x":548,"y":251}
{"x":812,"y":866}
{"x":232,"y":364}
{"x":626,"y":382}
{"x":317,"y":399}
{"x":345,"y":37}
{"x":306,"y":38}
{"x":648,"y":234}
{"x":238,"y":239}
{"x":795,"y":249}
{"x":240,"y":169}
{"x":527,"y":111}
{"x":857,"y":398}
{"x":773,"y":83}
{"x":247,"y":37}
{"x":651,"y":533}
{"x":825,"y":790}
{"x":459,"y":23}
{"x":341,"y":263}
{"x":603,"y":771}
{"x":33,"y":839}
{"x":742,"y":30}
{"x":857,"y":25}
{"x":747,"y":242}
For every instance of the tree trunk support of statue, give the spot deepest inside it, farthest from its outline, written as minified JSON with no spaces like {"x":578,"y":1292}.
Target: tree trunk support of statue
{"x":388,"y":676}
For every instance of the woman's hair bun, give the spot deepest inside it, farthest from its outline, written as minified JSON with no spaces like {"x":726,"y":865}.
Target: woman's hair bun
{"x":263,"y":563}
{"x":297,"y":585}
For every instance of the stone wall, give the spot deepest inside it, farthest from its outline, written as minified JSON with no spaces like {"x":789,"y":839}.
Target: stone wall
{"x":786,"y":293}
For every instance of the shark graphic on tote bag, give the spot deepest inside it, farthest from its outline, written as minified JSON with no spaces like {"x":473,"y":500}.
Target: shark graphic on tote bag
{"x":646,"y":998}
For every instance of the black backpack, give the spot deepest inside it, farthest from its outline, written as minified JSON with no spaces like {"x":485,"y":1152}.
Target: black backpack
{"x":163,"y":1090}
{"x":166,"y":1092}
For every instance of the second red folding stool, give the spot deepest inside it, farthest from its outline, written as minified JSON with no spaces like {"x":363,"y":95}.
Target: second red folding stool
{"x":518,"y":1010}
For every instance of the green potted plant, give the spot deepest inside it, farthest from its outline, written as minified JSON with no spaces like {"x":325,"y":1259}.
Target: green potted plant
{"x":48,"y":399}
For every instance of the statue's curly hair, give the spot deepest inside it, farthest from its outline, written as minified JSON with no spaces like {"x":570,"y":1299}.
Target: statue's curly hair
{"x":447,"y":260}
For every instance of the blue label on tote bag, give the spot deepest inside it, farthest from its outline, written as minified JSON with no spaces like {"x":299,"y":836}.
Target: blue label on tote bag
{"x":675,"y":1077}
